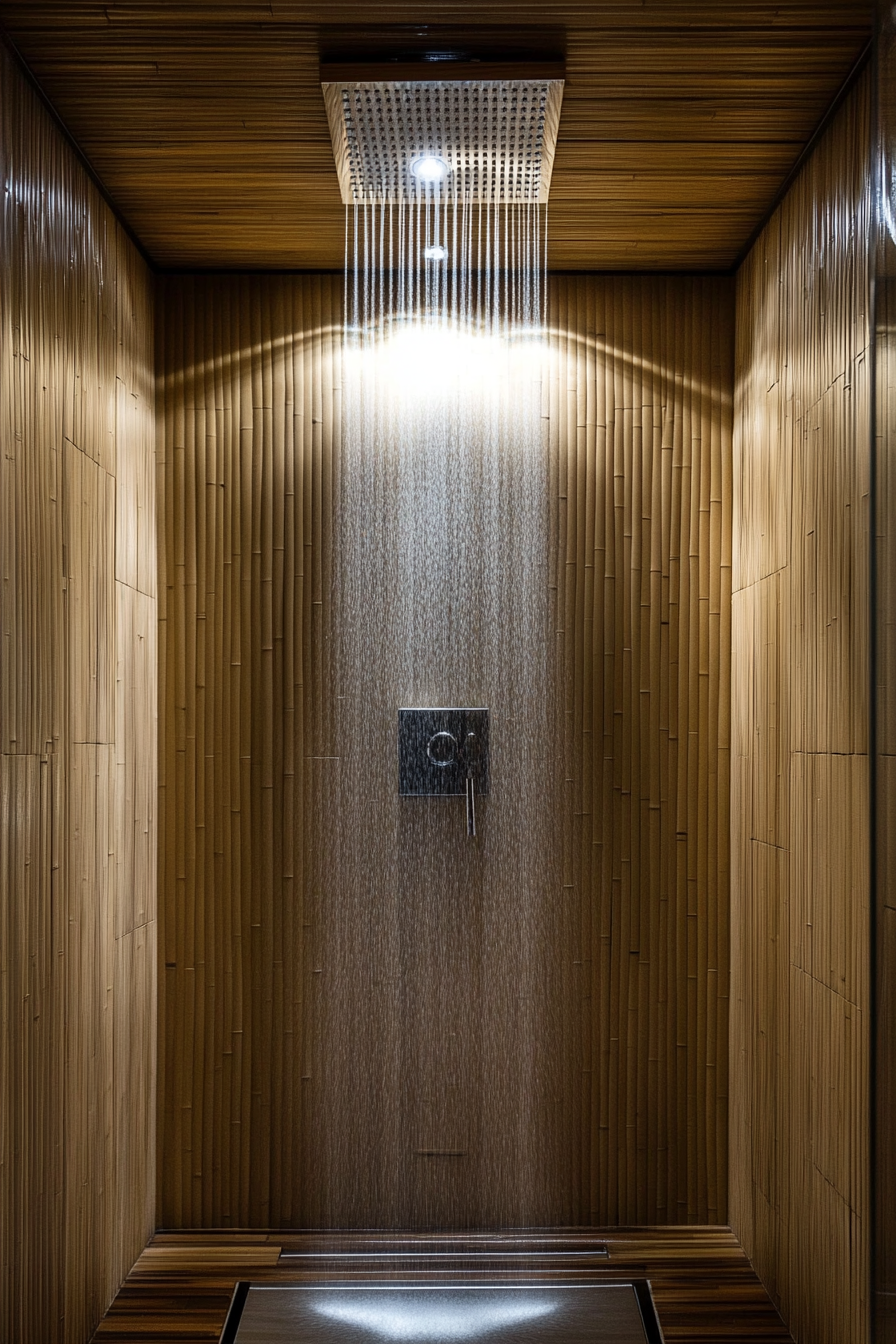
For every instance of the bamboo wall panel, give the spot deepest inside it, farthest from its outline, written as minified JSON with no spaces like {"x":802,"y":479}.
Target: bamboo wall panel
{"x":883,"y":1155}
{"x":247,"y":428}
{"x":207,"y":125}
{"x":800,"y":802}
{"x":640,"y":424}
{"x":637,"y":392}
{"x":77,"y":738}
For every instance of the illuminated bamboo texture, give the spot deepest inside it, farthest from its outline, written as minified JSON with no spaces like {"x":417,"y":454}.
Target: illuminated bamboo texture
{"x":800,"y":805}
{"x":637,"y":390}
{"x":77,"y":738}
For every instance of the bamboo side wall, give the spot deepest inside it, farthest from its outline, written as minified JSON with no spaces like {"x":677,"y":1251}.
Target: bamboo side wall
{"x":800,"y":803}
{"x":883,"y":1154}
{"x":638,"y":395}
{"x":77,"y":738}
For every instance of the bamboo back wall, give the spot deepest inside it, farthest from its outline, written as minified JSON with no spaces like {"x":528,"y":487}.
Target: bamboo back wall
{"x":637,"y":393}
{"x":800,"y":804}
{"x":77,"y":738}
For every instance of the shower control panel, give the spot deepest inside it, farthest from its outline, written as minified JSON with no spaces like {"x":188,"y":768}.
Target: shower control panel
{"x":444,"y":753}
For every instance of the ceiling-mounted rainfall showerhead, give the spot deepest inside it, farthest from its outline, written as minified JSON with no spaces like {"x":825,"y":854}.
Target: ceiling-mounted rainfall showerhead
{"x":495,"y":136}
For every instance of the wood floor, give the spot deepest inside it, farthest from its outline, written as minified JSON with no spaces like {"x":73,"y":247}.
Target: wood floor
{"x":703,"y":1285}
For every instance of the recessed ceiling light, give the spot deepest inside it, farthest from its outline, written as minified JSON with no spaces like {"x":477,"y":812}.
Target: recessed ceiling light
{"x":429,"y":168}
{"x":436,"y":253}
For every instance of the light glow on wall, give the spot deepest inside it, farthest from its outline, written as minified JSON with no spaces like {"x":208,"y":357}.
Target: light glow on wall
{"x":428,"y":362}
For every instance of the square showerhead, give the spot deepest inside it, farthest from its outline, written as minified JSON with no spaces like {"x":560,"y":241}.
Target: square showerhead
{"x":494,"y":138}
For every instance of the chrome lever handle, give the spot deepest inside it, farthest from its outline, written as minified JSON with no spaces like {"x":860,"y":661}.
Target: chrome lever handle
{"x":469,"y":749}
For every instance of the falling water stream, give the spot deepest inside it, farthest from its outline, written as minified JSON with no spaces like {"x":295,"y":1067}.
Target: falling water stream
{"x":438,"y":1057}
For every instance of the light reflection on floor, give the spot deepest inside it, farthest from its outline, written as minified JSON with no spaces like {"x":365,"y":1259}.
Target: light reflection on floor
{"x":397,"y":1316}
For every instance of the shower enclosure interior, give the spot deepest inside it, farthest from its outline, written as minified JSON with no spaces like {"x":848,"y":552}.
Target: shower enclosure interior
{"x":438,"y":500}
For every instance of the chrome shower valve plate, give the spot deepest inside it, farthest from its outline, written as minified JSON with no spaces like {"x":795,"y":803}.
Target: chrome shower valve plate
{"x":439,"y":748}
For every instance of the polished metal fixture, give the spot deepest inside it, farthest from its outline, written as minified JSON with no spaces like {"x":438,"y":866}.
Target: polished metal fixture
{"x":488,"y":141}
{"x":444,"y":753}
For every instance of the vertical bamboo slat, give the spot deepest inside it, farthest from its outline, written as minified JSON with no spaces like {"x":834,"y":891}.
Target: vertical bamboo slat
{"x":799,"y":713}
{"x":78,"y":788}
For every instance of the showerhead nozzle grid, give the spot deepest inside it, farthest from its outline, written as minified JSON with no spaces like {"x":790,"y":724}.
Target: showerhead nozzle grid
{"x":497,"y":138}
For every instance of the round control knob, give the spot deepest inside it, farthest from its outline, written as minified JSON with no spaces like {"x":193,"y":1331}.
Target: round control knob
{"x":442,"y":749}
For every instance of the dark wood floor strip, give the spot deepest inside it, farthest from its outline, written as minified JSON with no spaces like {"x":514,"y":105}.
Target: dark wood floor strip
{"x":705,"y":1289}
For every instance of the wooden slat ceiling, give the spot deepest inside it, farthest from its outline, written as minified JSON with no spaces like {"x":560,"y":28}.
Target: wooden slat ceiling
{"x":205,"y":121}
